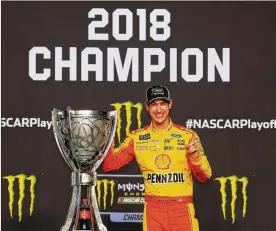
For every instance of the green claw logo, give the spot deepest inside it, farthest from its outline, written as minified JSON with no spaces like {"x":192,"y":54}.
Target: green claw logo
{"x":128,"y":110}
{"x":22,"y":178}
{"x":234,"y":186}
{"x":105,"y":186}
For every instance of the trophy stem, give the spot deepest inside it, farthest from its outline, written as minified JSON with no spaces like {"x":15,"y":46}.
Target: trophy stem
{"x":73,"y":209}
{"x":93,"y":201}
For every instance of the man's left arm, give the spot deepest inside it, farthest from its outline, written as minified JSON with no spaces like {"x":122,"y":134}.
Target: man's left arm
{"x":197,"y":160}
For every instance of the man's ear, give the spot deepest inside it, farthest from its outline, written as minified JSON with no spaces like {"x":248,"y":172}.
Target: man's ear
{"x":170,"y":104}
{"x":147,"y":107}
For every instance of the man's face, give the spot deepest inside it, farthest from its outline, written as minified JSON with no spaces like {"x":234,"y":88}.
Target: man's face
{"x":159,"y":110}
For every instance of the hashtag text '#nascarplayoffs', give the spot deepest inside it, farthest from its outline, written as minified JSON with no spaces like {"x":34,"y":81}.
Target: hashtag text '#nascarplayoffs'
{"x":230,"y":124}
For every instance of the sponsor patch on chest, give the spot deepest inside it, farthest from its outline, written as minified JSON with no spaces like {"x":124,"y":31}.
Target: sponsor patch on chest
{"x":165,"y":178}
{"x":141,"y":148}
{"x":176,"y":135}
{"x":144,"y":137}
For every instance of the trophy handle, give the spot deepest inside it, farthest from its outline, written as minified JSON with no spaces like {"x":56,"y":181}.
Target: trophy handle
{"x":111,"y":134}
{"x":59,"y":139}
{"x":69,"y":119}
{"x":73,"y":209}
{"x":93,"y":201}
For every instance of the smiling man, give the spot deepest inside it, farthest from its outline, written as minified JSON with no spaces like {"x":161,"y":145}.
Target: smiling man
{"x":167,"y":155}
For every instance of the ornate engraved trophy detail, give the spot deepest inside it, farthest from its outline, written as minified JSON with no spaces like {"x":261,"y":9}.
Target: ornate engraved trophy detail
{"x":83,"y":138}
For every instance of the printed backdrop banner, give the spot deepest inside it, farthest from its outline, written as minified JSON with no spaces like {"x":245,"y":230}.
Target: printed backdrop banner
{"x":216,"y":58}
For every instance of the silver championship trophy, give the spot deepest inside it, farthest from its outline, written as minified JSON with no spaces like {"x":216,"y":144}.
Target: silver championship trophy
{"x":83,"y":138}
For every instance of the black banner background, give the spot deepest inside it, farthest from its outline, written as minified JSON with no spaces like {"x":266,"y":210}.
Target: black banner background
{"x":248,"y":29}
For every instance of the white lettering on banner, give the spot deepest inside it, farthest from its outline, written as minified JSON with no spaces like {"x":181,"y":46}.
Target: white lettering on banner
{"x":92,"y":35}
{"x":230,"y":124}
{"x":130,"y":64}
{"x":25,"y":122}
{"x":86,"y":67}
{"x":128,"y":21}
{"x":113,"y":58}
{"x":148,"y":66}
{"x":214,"y":61}
{"x":131,"y":187}
{"x":71,"y":63}
{"x":199,"y":65}
{"x":44,"y":51}
{"x":141,"y":13}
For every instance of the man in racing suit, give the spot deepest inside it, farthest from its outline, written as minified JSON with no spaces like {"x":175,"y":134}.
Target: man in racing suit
{"x":167,"y":155}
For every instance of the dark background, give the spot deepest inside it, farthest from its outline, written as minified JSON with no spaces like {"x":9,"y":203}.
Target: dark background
{"x":247,"y":28}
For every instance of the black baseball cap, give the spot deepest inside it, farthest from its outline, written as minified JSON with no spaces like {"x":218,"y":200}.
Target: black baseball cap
{"x":157,"y":92}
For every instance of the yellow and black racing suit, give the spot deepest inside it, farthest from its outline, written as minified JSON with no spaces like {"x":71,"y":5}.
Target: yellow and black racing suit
{"x":167,"y":171}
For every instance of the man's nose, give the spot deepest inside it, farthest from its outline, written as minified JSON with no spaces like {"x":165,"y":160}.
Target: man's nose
{"x":158,"y":108}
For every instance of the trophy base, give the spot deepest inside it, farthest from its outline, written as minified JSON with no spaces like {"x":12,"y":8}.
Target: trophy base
{"x":101,"y":228}
{"x":86,"y":229}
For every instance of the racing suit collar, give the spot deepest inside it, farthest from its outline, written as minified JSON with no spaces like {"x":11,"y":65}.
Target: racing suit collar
{"x":162,"y":130}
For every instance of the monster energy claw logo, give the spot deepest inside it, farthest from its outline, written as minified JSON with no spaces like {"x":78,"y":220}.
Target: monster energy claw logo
{"x":233,"y":184}
{"x":105,"y":186}
{"x":21,"y":186}
{"x":128,"y":107}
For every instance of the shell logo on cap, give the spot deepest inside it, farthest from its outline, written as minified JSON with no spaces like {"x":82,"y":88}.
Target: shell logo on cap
{"x":163,"y":161}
